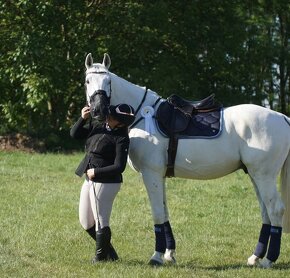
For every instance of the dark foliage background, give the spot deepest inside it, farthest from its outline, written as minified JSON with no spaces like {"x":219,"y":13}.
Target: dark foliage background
{"x":237,"y":49}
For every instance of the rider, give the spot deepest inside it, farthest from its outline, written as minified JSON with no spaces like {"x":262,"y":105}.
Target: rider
{"x":106,"y":157}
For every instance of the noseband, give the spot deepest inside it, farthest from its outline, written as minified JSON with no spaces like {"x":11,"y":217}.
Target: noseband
{"x":100,"y":92}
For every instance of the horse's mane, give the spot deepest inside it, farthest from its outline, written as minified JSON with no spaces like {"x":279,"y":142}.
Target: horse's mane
{"x":121,"y":81}
{"x":129,"y":84}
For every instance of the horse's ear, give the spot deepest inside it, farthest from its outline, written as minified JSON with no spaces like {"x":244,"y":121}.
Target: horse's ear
{"x":107,"y":60}
{"x":89,"y":61}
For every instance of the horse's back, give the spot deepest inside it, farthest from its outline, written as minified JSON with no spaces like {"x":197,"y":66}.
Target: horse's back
{"x":251,"y":136}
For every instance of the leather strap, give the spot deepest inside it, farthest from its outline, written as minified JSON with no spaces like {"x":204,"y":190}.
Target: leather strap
{"x":171,"y":151}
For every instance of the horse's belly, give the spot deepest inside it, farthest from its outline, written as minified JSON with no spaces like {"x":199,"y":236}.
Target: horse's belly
{"x":206,"y":159}
{"x":205,"y":172}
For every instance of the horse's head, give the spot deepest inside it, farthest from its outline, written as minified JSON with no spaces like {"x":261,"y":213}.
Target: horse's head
{"x":98,"y":86}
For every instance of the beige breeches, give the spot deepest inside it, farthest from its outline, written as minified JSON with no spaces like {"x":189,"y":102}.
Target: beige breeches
{"x":96,"y":202}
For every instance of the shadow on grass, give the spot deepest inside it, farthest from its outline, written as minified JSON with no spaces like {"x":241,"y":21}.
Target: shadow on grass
{"x":194,"y":265}
{"x":226,"y":267}
{"x":281,"y":266}
{"x":188,"y":265}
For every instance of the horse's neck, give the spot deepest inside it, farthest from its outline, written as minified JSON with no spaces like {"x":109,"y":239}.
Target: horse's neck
{"x":132,"y":94}
{"x":152,"y":98}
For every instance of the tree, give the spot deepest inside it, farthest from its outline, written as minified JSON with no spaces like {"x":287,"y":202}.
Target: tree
{"x":238,"y":50}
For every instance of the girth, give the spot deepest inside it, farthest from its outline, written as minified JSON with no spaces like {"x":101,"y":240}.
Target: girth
{"x":178,"y":118}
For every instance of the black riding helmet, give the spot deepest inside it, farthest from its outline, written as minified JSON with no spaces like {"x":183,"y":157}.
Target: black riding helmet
{"x":123,"y":113}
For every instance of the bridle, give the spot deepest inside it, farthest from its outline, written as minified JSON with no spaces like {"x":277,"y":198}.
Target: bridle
{"x":99,"y":92}
{"x":103,"y":92}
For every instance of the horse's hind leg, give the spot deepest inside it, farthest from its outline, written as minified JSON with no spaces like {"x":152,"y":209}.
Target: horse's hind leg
{"x":267,"y":190}
{"x":262,"y":245}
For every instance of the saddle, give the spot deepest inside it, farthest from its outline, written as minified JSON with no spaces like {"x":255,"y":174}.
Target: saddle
{"x":179,"y":118}
{"x":188,"y":106}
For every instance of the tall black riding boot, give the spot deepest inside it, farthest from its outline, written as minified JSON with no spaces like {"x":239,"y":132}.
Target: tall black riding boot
{"x":103,"y":238}
{"x":112,"y":254}
{"x":92,"y":232}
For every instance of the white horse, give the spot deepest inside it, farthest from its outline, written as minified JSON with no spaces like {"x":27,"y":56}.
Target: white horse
{"x":253,"y":138}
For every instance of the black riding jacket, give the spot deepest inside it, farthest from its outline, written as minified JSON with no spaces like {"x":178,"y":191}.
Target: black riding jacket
{"x":106,"y":150}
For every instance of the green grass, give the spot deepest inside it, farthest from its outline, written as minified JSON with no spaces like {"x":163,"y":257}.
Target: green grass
{"x":216,"y":224}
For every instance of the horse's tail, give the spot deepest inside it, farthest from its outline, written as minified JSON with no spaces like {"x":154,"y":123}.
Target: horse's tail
{"x":285,"y":193}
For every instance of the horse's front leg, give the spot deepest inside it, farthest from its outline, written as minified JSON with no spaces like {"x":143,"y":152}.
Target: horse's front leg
{"x":169,"y":255}
{"x":164,"y":239}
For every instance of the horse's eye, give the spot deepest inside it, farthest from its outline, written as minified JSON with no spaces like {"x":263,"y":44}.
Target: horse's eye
{"x":87,"y":81}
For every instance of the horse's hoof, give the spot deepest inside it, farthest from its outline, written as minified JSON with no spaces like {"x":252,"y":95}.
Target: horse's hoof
{"x":155,"y":263}
{"x":265,"y":263}
{"x":156,"y":259}
{"x":169,"y":256}
{"x":253,"y":260}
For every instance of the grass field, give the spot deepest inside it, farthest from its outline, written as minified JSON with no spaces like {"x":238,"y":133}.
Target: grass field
{"x":216,"y":224}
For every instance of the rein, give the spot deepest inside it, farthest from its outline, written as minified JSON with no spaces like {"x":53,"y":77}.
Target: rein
{"x":139,"y":107}
{"x":142,"y":101}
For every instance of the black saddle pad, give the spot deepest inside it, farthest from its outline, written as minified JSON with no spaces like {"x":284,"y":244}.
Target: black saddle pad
{"x":202,"y":124}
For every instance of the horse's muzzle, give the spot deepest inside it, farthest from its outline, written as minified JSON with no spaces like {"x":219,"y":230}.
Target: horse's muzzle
{"x":99,"y":103}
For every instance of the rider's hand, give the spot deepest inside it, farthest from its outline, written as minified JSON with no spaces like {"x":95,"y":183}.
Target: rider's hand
{"x":85,"y":112}
{"x":91,"y":173}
